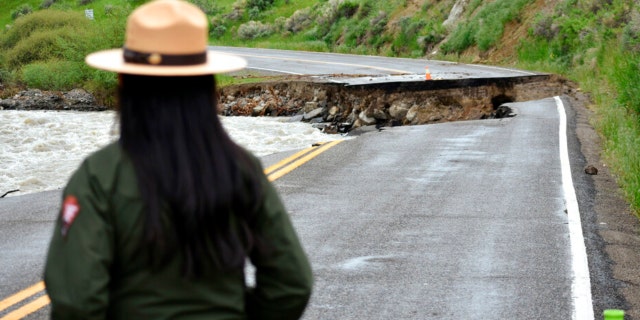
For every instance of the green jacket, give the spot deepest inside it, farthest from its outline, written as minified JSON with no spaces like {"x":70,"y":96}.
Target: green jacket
{"x":95,"y":267}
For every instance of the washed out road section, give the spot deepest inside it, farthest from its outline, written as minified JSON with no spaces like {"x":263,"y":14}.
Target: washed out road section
{"x":460,"y":220}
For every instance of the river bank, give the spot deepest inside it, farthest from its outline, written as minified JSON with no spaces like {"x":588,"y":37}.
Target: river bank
{"x":336,"y":107}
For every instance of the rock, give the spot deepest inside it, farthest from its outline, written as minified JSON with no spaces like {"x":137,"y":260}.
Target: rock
{"x":296,"y":118}
{"x":380,"y":114}
{"x":312,"y":114}
{"x":503,"y":112}
{"x":330,"y":129}
{"x":258,"y":110}
{"x":35,"y":99}
{"x":80,"y":99}
{"x":591,"y":170}
{"x":366,"y":119}
{"x":9,"y":104}
{"x":412,"y":113}
{"x":398,"y":110}
{"x":310,"y":106}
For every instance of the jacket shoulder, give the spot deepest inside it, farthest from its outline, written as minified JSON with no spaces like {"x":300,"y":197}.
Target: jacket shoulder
{"x":110,"y":167}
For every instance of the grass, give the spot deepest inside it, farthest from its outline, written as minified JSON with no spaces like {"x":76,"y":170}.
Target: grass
{"x":8,"y":6}
{"x":618,"y":120}
{"x":485,"y":28}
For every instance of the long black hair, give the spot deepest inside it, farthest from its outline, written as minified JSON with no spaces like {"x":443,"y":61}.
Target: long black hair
{"x":200,"y":189}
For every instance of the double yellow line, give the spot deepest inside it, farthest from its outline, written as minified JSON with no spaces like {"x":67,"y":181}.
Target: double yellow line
{"x":291,"y":163}
{"x":28,"y":308}
{"x":38,"y":299}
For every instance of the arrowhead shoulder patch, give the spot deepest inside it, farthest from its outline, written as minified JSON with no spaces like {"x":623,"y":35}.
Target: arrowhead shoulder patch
{"x":70,"y":210}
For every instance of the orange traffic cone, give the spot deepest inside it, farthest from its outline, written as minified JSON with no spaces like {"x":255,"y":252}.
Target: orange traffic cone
{"x":427,"y":74}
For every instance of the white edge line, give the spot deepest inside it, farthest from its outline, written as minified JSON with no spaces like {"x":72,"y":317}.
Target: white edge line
{"x":274,"y":70}
{"x":581,"y":282}
{"x":287,"y":72}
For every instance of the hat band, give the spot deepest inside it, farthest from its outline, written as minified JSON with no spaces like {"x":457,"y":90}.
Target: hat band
{"x":158,"y":59}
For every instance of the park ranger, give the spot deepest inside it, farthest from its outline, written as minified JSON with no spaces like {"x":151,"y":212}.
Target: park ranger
{"x":160,"y":224}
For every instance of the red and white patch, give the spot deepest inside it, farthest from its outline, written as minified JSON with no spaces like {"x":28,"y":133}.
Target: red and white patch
{"x":70,"y":210}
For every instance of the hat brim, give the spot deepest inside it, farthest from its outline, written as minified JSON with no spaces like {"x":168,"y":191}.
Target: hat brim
{"x":113,"y":60}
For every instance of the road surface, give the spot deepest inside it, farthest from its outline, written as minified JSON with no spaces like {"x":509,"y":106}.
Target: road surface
{"x":365,"y":68}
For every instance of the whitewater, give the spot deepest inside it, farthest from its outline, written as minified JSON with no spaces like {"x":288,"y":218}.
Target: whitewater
{"x":39,"y":150}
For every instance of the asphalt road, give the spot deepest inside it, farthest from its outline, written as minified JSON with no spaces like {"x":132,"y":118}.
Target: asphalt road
{"x":463,"y":220}
{"x":382,"y":68}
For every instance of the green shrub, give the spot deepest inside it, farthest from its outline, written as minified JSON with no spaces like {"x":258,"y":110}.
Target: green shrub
{"x":43,"y":45}
{"x":46,"y":4}
{"x":631,"y":33}
{"x":217,"y":31}
{"x":485,"y":28}
{"x":207,"y":6}
{"x":544,"y":28}
{"x":300,"y":20}
{"x":626,"y":77}
{"x":103,"y":85}
{"x":254,"y":13}
{"x":54,"y":74}
{"x":22,"y":10}
{"x":364,"y":10}
{"x":260,"y":4}
{"x":356,"y":34}
{"x":347,"y":9}
{"x":42,"y":20}
{"x":254,"y":29}
{"x":461,"y":39}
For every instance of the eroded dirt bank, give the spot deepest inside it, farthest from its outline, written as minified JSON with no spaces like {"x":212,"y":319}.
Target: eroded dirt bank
{"x":342,"y":107}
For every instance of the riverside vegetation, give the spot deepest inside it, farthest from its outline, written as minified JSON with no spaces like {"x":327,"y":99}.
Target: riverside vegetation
{"x":595,"y":43}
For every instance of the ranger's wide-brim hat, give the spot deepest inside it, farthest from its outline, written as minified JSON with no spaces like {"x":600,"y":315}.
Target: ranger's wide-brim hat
{"x":166,"y":38}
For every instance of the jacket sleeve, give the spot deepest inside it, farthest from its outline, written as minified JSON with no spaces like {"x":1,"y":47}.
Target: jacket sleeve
{"x":81,"y":251}
{"x":283,"y":273}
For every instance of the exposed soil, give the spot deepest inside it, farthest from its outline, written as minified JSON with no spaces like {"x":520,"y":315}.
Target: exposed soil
{"x":387,"y":104}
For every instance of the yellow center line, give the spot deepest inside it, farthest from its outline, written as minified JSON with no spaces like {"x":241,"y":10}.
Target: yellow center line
{"x":284,"y":170}
{"x":326,"y":62}
{"x":28,"y":308}
{"x":287,"y":160}
{"x":8,"y":302}
{"x":274,"y":172}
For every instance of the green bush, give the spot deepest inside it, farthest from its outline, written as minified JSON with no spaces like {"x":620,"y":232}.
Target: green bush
{"x":22,"y":10}
{"x":254,"y":30}
{"x":485,"y":28}
{"x":626,"y":77}
{"x":347,"y":9}
{"x":46,"y":50}
{"x":43,"y":45}
{"x":300,"y":20}
{"x":42,"y":20}
{"x":461,"y":39}
{"x":207,"y":6}
{"x":46,"y":4}
{"x":54,"y":74}
{"x":260,"y":4}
